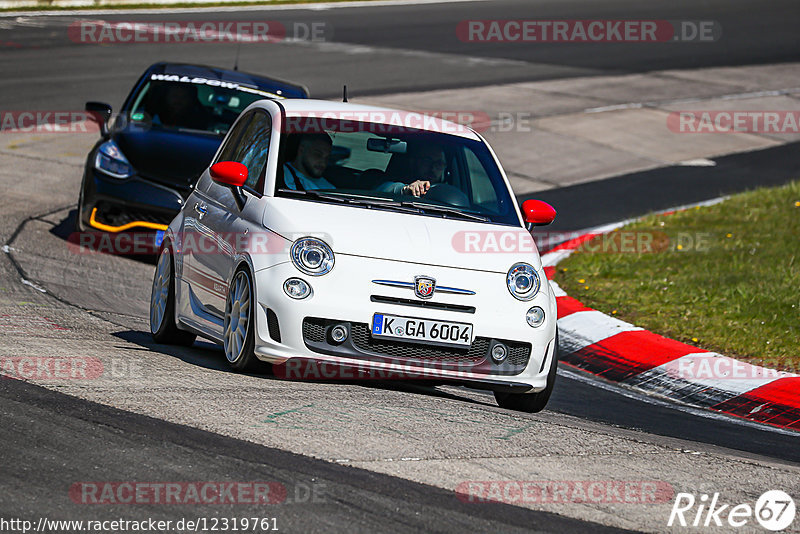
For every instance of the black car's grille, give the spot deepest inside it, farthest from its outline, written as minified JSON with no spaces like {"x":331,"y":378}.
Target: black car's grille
{"x":184,"y":187}
{"x":115,"y":215}
{"x":314,"y":331}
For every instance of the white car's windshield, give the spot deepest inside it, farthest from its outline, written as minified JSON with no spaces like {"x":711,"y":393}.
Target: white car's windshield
{"x":410,"y":170}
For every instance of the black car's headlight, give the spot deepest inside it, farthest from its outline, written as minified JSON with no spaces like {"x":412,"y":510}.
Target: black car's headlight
{"x":110,"y":160}
{"x":523,"y":282}
{"x":312,"y":256}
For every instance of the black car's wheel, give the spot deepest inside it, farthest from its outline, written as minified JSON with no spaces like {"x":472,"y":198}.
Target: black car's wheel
{"x":78,"y":224}
{"x":162,"y":304}
{"x":531,"y":402}
{"x":238,"y":333}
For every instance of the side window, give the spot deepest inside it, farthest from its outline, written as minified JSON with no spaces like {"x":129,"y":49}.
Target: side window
{"x":231,"y":142}
{"x":253,"y":148}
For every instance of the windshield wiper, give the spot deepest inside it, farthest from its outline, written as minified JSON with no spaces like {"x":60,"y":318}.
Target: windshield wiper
{"x":348,"y":199}
{"x":313,"y":193}
{"x":404,"y":206}
{"x":444,"y":210}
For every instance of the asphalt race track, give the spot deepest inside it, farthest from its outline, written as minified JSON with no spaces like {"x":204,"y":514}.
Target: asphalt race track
{"x":381,"y":457}
{"x":389,"y":49}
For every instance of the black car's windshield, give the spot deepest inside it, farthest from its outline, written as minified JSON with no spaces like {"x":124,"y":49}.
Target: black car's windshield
{"x":409,"y":170}
{"x":192,"y":103}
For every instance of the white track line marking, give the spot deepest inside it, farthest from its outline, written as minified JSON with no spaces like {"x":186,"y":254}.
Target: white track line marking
{"x":256,"y":7}
{"x":699,"y":162}
{"x":34,"y":286}
{"x":661,"y":103}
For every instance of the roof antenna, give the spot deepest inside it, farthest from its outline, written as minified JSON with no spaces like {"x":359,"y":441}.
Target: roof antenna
{"x":236,"y":61}
{"x":344,"y":93}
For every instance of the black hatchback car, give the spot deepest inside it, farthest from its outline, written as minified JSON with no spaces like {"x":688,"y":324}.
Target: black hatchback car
{"x":151,"y":153}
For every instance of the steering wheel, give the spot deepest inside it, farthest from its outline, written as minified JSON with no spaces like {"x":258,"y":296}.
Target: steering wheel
{"x":447,"y":194}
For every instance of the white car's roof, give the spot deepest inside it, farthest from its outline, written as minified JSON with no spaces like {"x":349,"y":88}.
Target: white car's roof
{"x":422,"y":120}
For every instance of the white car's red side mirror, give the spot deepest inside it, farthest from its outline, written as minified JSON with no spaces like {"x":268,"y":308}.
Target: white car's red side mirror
{"x":230,"y":173}
{"x":538,"y":212}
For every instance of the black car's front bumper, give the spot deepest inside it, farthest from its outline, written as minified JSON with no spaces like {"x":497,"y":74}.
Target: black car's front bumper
{"x":112,"y":205}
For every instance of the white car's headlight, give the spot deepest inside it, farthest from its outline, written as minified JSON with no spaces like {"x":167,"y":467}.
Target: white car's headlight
{"x":312,"y":256}
{"x":111,"y":161}
{"x":523,"y":282}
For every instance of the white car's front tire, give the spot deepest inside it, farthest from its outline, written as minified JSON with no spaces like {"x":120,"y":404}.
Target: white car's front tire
{"x":238,"y":332}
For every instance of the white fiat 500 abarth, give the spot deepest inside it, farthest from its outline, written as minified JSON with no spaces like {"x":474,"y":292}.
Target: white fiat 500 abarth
{"x":346,"y":237}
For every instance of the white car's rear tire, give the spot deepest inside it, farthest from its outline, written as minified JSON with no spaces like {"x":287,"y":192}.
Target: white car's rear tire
{"x":162,"y":304}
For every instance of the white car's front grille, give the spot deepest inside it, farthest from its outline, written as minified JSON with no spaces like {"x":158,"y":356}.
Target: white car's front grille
{"x":361,"y":344}
{"x":430,"y":304}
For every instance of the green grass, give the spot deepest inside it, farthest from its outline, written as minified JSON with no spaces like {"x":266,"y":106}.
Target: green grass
{"x":724,"y":278}
{"x":188,"y":4}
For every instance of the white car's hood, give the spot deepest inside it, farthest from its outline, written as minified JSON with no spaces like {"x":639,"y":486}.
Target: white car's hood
{"x":403,"y":237}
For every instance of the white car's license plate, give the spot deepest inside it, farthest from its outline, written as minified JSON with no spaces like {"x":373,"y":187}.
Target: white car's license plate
{"x":425,"y":330}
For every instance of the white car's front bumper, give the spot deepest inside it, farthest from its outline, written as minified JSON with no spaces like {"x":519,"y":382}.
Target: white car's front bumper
{"x":347,"y":294}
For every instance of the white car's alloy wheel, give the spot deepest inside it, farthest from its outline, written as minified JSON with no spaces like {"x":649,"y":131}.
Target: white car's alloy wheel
{"x":160,"y":294}
{"x":162,"y":304}
{"x":237,"y":317}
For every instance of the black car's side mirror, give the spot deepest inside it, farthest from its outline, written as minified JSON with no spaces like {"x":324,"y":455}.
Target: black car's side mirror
{"x":99,"y":112}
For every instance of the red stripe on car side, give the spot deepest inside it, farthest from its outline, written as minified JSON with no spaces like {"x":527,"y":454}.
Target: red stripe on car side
{"x":205,"y":281}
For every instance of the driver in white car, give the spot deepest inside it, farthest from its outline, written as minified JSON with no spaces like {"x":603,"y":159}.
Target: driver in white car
{"x":309,"y":164}
{"x":429,"y":164}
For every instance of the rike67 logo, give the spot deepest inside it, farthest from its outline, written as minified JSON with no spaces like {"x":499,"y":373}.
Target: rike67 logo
{"x":774,"y":510}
